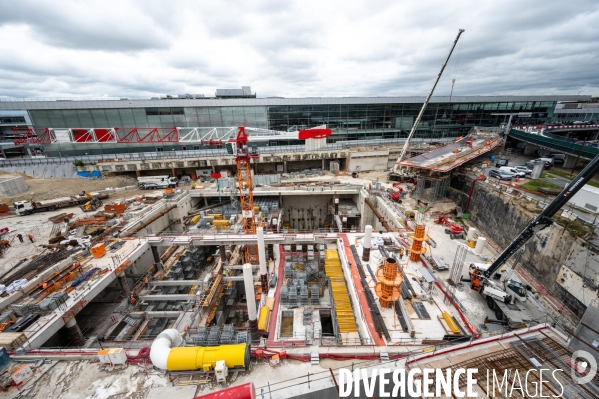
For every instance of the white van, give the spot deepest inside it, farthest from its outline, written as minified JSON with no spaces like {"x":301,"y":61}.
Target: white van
{"x":512,"y":171}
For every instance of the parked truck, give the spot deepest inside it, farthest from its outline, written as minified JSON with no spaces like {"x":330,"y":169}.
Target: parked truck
{"x":156,"y":182}
{"x":29,"y":207}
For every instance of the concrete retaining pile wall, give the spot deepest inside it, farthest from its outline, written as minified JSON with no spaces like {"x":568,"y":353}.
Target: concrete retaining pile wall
{"x":501,"y":218}
{"x":11,"y":186}
{"x":45,"y":171}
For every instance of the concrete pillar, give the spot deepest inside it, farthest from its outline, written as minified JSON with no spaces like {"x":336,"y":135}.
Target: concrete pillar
{"x":124,"y":285}
{"x":367,"y":243}
{"x":284,"y":166}
{"x":344,"y":224}
{"x":205,"y":201}
{"x":262,"y":260}
{"x":174,"y":172}
{"x":323,"y":164}
{"x":250,"y":295}
{"x":569,"y":161}
{"x":74,"y":332}
{"x":336,"y":206}
{"x":138,"y":173}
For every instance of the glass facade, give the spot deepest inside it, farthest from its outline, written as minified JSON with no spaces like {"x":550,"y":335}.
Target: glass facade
{"x":151,"y":117}
{"x":348,"y":121}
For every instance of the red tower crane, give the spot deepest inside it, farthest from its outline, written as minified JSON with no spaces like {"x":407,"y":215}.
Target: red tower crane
{"x":243,"y":155}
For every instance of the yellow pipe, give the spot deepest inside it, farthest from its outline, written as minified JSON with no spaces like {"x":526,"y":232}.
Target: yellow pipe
{"x":205,"y":357}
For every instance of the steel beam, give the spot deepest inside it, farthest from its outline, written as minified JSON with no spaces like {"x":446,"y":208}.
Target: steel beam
{"x":175,"y":283}
{"x":166,"y":313}
{"x":173,"y":297}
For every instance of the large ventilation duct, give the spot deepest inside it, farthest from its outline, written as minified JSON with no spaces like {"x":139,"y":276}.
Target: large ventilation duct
{"x":166,"y":354}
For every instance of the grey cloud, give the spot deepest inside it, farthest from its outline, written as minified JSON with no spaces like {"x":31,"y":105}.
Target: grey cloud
{"x":83,"y":26}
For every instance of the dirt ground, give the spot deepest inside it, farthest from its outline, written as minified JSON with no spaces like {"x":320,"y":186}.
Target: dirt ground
{"x":45,"y":189}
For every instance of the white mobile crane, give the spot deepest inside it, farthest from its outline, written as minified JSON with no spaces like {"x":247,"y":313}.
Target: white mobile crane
{"x":501,"y":296}
{"x":402,"y":173}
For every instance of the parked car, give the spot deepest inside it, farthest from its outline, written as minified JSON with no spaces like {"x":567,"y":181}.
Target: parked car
{"x":501,"y":162}
{"x":501,"y":175}
{"x":512,"y":171}
{"x":558,"y":157}
{"x":526,"y":170}
{"x":531,"y":164}
{"x":548,"y":162}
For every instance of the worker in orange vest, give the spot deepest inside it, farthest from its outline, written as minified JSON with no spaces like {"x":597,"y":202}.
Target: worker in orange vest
{"x":5,"y":242}
{"x":401,"y":253}
{"x":146,"y":282}
{"x":30,"y":237}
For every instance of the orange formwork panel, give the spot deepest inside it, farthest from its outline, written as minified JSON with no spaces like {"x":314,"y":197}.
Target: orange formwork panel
{"x":389,"y":281}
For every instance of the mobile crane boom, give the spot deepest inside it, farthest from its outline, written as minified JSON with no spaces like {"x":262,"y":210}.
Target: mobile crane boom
{"x":417,"y":122}
{"x":543,"y":219}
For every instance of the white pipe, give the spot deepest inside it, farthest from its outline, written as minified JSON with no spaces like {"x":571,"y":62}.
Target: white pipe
{"x":261,"y":250}
{"x":250,"y":295}
{"x":367,"y":236}
{"x":480,"y":245}
{"x":161,"y":347}
{"x":472,"y":234}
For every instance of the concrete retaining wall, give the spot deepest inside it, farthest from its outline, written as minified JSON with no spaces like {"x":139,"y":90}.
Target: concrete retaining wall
{"x":11,"y":186}
{"x":501,"y":218}
{"x":45,"y":171}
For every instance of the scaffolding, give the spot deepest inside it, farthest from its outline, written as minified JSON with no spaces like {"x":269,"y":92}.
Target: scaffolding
{"x":431,"y":188}
{"x":455,"y":272}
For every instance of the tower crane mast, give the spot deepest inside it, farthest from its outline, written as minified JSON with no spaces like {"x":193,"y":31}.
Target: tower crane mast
{"x":243,"y":155}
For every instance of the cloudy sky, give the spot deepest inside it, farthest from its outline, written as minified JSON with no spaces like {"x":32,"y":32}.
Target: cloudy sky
{"x":299,"y":48}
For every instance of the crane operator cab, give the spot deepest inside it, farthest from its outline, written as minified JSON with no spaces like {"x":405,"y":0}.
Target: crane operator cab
{"x":518,"y":290}
{"x":512,"y":289}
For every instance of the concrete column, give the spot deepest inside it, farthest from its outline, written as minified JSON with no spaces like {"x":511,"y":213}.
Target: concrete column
{"x":205,"y":201}
{"x":336,"y":206}
{"x":138,"y":173}
{"x":284,"y":166}
{"x":124,"y":285}
{"x":367,"y":243}
{"x":323,"y":164}
{"x":250,"y":295}
{"x":74,"y":332}
{"x":344,"y":224}
{"x":569,"y":161}
{"x":174,"y":172}
{"x":262,"y":260}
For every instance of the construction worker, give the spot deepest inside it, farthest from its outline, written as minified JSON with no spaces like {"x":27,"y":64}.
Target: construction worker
{"x":5,"y":242}
{"x":20,"y":237}
{"x":30,"y":237}
{"x":401,"y":253}
{"x":146,"y":282}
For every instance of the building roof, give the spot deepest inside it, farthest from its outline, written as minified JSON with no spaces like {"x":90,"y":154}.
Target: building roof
{"x":87,"y":103}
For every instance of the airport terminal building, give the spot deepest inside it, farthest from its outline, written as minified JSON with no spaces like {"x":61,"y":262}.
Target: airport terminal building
{"x":146,"y":125}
